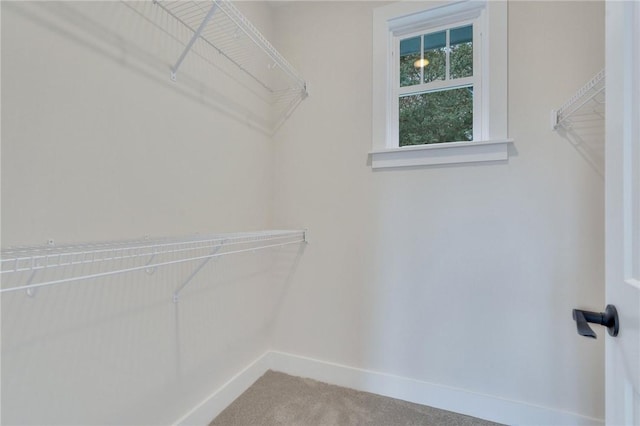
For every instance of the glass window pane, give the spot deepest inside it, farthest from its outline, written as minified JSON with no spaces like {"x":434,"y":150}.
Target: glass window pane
{"x":444,"y":116}
{"x":409,"y":54}
{"x":435,"y":52}
{"x":461,"y":40}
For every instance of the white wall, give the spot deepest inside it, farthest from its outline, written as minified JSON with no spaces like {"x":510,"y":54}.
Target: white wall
{"x":463,"y":276}
{"x":99,"y":144}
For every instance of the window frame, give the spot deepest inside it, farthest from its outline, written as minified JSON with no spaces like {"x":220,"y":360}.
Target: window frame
{"x":401,"y":19}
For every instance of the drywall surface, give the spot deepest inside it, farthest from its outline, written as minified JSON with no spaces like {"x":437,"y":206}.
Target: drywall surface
{"x":462,"y":276}
{"x":99,"y":144}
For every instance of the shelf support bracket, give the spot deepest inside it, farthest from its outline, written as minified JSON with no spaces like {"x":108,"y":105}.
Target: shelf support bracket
{"x":555,"y":122}
{"x":195,"y":36}
{"x":31,"y":292}
{"x":176,"y":293}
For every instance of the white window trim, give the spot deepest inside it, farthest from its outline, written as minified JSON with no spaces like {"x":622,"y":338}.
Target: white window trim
{"x":405,"y":17}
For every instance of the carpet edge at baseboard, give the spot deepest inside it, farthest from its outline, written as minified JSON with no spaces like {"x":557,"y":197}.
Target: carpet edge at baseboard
{"x":211,"y":406}
{"x":482,"y":406}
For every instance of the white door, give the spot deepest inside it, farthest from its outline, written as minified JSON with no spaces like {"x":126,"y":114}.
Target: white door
{"x":622,"y":204}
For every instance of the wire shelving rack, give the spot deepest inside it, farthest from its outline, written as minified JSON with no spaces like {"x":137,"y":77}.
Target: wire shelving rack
{"x":219,"y":29}
{"x":30,"y":268}
{"x":585,"y":109}
{"x":582,"y":120}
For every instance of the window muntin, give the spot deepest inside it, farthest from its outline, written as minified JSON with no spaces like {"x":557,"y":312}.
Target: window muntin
{"x":435,"y":52}
{"x":435,"y":86}
{"x":410,"y":48}
{"x":461,"y":52}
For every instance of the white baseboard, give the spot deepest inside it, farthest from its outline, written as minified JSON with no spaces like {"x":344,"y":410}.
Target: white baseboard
{"x":210,"y":407}
{"x":483,"y":406}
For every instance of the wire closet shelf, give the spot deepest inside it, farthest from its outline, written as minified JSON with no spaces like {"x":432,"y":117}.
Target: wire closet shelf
{"x":218,"y":28}
{"x":581,"y":120}
{"x":585,"y":109}
{"x":30,"y":268}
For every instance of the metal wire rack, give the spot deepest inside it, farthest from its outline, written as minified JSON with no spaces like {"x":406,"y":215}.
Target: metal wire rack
{"x":582,"y":121}
{"x":40,"y":266}
{"x":586,"y":107}
{"x":219,"y":29}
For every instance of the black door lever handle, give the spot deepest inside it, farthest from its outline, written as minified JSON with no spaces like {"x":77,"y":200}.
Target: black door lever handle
{"x":608,"y":318}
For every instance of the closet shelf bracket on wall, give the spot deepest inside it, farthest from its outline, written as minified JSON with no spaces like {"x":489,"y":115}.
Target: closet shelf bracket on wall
{"x":218,"y":29}
{"x":214,"y":251}
{"x":30,"y":268}
{"x":196,"y":35}
{"x":581,"y":120}
{"x":585,"y":108}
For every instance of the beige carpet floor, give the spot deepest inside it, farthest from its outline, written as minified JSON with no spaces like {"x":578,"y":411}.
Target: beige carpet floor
{"x":277,"y":399}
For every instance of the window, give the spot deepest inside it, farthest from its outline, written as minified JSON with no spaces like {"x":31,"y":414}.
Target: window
{"x":437,"y":85}
{"x":434,"y":86}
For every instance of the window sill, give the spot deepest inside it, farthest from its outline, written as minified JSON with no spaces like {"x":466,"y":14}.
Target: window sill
{"x":441,"y":153}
